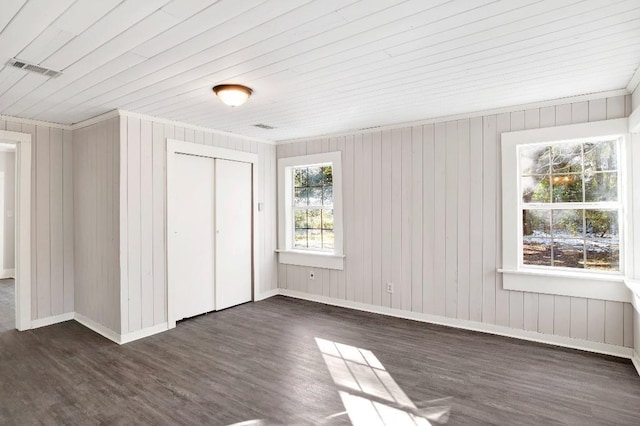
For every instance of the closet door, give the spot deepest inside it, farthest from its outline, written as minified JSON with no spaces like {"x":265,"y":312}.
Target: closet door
{"x":233,"y":233}
{"x":192,"y":222}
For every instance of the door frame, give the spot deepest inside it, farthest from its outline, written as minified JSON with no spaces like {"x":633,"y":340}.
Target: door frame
{"x":175,"y":147}
{"x":22,"y":141}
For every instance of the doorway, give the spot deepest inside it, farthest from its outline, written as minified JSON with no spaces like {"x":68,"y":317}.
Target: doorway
{"x":7,"y":235}
{"x":15,"y":254}
{"x":210,"y":229}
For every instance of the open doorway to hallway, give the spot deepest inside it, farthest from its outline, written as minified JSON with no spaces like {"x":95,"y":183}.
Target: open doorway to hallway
{"x":7,"y":236}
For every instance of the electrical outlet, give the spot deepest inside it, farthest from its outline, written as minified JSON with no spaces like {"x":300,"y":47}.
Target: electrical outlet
{"x":389,"y":287}
{"x":312,"y":275}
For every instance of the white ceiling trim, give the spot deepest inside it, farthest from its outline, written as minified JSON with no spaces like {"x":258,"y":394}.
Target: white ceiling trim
{"x":35,"y":122}
{"x":520,"y":107}
{"x":635,"y":80}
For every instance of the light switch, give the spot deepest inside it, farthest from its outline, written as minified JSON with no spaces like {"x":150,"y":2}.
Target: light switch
{"x":260,"y":207}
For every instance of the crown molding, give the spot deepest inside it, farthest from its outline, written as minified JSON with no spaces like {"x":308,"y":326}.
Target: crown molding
{"x":481,"y":113}
{"x":35,"y":122}
{"x":635,"y":80}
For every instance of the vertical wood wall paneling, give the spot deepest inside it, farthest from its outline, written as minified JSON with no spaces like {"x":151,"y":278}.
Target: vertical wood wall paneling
{"x":43,"y":236}
{"x":416,"y":219}
{"x":123,"y":191}
{"x":440,"y":217}
{"x":396,"y":218}
{"x":67,"y":221}
{"x":464,"y":218}
{"x":406,"y":222}
{"x":56,"y":220}
{"x":444,"y":187}
{"x":367,"y":217}
{"x":158,"y":219}
{"x":146,"y":223}
{"x":428,"y":219}
{"x":475,"y":219}
{"x":385,"y":297}
{"x":376,"y":218}
{"x":134,"y":223}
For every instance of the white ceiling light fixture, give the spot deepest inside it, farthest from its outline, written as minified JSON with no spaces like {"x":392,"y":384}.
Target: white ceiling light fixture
{"x":233,"y":94}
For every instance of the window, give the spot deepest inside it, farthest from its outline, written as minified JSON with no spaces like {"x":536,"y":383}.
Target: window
{"x":570,"y":205}
{"x":313,"y":207}
{"x":563,"y":210}
{"x":310,"y":210}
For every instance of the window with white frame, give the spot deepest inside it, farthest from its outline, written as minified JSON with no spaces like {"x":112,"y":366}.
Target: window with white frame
{"x":563,"y":210}
{"x":570,"y":204}
{"x":310,"y":210}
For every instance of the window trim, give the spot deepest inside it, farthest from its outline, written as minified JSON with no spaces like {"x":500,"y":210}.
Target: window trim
{"x":309,"y":257}
{"x":578,"y":283}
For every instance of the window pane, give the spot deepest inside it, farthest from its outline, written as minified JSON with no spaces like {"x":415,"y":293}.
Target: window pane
{"x":535,"y":189}
{"x":301,"y":197}
{"x":315,"y":196}
{"x":315,"y":176}
{"x":567,"y":188}
{"x":600,"y":156}
{"x":314,"y":218}
{"x":568,"y":252}
{"x":566,"y":158}
{"x":327,"y":196}
{"x":601,"y":186}
{"x":300,"y":240}
{"x":327,"y":240}
{"x":603,"y":255}
{"x":327,"y":175}
{"x":567,"y":223}
{"x":315,"y":238}
{"x":300,"y":219}
{"x":535,"y":159}
{"x":536,"y":223}
{"x":602,"y":224}
{"x":327,"y":219}
{"x":300,"y":177}
{"x":537,"y":237}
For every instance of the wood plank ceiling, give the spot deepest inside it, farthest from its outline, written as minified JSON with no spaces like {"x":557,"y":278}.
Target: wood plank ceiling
{"x":316,"y":67}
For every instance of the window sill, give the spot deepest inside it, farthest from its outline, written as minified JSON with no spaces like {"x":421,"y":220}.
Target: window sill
{"x":634,"y":288}
{"x":564,"y":283}
{"x":316,"y":260}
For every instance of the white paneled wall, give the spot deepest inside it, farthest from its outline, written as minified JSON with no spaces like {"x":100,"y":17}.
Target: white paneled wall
{"x":96,"y":156}
{"x":422,"y":209}
{"x":143,"y":214}
{"x":52,"y":288}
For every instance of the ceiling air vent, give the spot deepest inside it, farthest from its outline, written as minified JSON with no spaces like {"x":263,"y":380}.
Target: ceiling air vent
{"x":264,"y":126}
{"x":17,"y":63}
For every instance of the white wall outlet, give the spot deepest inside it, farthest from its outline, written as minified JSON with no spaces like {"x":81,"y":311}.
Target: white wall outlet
{"x":312,"y":275}
{"x":389,"y":287}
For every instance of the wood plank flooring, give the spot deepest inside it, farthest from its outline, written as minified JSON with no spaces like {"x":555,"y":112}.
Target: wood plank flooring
{"x":261,"y":361}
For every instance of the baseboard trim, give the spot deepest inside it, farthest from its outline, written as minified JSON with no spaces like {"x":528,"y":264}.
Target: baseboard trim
{"x":55,"y":319}
{"x":7,"y":273}
{"x":98,"y":328}
{"x":567,"y":342}
{"x":145,"y":332}
{"x":635,"y":359}
{"x":267,"y":294}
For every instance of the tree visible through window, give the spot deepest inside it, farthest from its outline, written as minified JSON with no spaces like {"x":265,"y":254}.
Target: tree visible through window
{"x":313,"y":207}
{"x":570,"y":205}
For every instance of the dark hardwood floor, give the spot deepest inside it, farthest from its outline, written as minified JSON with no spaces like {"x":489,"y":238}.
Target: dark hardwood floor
{"x":262,"y":361}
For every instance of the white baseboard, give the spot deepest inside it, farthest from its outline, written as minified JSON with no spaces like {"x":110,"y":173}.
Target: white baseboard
{"x":55,"y":319}
{"x":7,"y":273}
{"x":568,"y":342}
{"x":635,"y":359}
{"x":145,"y":332}
{"x":98,"y":328}
{"x":267,"y":294}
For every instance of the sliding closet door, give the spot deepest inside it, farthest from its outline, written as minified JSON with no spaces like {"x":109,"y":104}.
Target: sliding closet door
{"x":233,"y":233}
{"x":192,"y":224}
